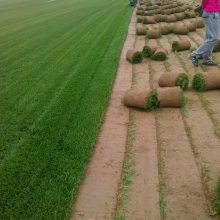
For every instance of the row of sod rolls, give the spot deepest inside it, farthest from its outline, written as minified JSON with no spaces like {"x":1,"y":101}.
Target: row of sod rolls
{"x":155,"y":31}
{"x":155,"y":53}
{"x":152,"y":99}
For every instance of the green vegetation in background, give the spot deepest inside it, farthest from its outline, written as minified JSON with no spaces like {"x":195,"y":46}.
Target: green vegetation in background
{"x":57,"y":63}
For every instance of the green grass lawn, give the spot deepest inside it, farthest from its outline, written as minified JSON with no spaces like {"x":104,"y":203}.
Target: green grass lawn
{"x":58,"y":60}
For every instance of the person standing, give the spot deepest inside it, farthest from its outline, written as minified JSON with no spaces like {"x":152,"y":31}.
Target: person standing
{"x":211,"y":19}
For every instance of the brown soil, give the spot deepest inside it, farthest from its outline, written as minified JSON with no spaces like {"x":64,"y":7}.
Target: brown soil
{"x":174,"y":153}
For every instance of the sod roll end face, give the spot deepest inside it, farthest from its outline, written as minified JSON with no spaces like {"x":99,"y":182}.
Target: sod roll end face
{"x":152,"y":101}
{"x":182,"y":81}
{"x":134,"y":56}
{"x":198,"y":82}
{"x":149,"y":50}
{"x":141,"y":30}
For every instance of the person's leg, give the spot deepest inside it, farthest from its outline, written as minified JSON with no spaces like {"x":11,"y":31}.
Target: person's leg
{"x":212,"y":25}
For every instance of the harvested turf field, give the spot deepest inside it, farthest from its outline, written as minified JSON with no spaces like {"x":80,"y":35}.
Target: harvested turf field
{"x":57,"y":63}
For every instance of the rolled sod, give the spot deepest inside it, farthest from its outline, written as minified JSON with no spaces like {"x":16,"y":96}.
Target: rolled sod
{"x":190,"y":14}
{"x":181,"y":29}
{"x":149,"y":20}
{"x":160,"y":54}
{"x":164,"y":29}
{"x":152,"y":99}
{"x":139,"y":12}
{"x":171,"y":18}
{"x":199,"y":23}
{"x":217,"y":47}
{"x":159,"y":18}
{"x":141,"y":30}
{"x":139,"y":19}
{"x":206,"y":81}
{"x":144,"y":99}
{"x":191,"y":26}
{"x":181,"y":45}
{"x":170,"y":97}
{"x":179,"y":16}
{"x":153,"y":34}
{"x":171,"y":27}
{"x":174,"y":79}
{"x":149,"y":50}
{"x":134,"y":56}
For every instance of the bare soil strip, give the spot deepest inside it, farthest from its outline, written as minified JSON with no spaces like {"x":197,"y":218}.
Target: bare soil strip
{"x":143,"y":196}
{"x":180,"y":173}
{"x":97,"y":196}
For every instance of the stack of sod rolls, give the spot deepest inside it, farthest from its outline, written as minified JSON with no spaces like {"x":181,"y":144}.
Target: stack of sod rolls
{"x":206,"y":81}
{"x":134,"y":56}
{"x":151,"y":99}
{"x":174,"y":79}
{"x":181,"y":45}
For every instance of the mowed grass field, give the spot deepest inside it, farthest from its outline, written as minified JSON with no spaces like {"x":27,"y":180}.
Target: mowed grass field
{"x":58,"y":60}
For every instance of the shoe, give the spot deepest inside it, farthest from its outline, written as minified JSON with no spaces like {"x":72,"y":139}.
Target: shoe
{"x":209,"y":63}
{"x":195,"y":60}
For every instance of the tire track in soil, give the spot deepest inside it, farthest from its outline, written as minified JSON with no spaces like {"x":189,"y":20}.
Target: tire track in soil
{"x":97,"y":196}
{"x":195,"y":121}
{"x":179,"y":171}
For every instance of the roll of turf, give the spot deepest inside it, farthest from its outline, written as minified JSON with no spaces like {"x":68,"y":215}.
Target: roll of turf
{"x":206,"y":81}
{"x":179,"y":16}
{"x":189,"y":14}
{"x":174,"y":79}
{"x":199,"y":23}
{"x":181,"y":45}
{"x":139,"y":12}
{"x":149,"y":50}
{"x":217,"y":47}
{"x":159,"y":18}
{"x":141,"y":30}
{"x":170,"y":97}
{"x":152,"y":99}
{"x":139,"y":19}
{"x":171,"y":27}
{"x":134,"y":56}
{"x":160,"y":54}
{"x":149,"y":20}
{"x":164,"y":29}
{"x":144,"y":99}
{"x":153,"y":34}
{"x":191,"y":26}
{"x":171,"y":18}
{"x":181,"y":29}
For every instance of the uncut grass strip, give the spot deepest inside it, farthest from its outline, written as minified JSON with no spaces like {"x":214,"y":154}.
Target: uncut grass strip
{"x":26,"y":101}
{"x":69,"y":51}
{"x":63,"y":85}
{"x":78,"y":129}
{"x":205,"y":164}
{"x":78,"y":16}
{"x":46,"y":53}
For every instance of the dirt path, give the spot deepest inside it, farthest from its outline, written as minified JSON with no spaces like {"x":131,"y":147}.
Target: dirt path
{"x":160,"y":165}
